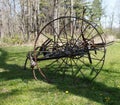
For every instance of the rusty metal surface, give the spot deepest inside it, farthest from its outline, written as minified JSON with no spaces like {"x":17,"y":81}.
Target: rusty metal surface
{"x":76,"y":43}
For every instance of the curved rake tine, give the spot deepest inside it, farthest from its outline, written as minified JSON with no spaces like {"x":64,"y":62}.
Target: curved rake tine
{"x":25,"y":63}
{"x":43,"y":75}
{"x":34,"y":74}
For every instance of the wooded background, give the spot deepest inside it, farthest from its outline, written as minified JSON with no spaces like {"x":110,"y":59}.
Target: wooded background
{"x":21,"y":20}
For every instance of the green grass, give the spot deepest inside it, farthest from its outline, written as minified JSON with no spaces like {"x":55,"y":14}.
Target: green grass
{"x":17,"y":86}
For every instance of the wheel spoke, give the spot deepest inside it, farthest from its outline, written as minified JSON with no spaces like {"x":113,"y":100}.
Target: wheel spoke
{"x":75,"y":45}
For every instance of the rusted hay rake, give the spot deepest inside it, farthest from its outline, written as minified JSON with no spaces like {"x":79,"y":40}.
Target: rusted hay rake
{"x":74,"y":44}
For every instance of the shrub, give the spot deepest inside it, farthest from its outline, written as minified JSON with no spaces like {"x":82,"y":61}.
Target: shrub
{"x":13,"y":40}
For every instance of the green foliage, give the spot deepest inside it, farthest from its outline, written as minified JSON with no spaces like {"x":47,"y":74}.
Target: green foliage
{"x":93,"y":11}
{"x":78,"y":7}
{"x":17,"y":86}
{"x":97,"y":10}
{"x":118,"y":35}
{"x":14,"y":40}
{"x":45,"y":6}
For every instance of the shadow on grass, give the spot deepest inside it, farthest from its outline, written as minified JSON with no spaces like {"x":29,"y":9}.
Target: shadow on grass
{"x":12,"y":71}
{"x":94,"y":91}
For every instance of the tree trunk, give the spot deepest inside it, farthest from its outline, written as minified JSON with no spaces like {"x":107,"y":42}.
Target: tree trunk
{"x":56,"y":15}
{"x":27,"y":25}
{"x":1,"y":26}
{"x":111,"y":21}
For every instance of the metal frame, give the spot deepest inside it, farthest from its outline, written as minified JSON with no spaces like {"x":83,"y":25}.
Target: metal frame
{"x":77,"y":44}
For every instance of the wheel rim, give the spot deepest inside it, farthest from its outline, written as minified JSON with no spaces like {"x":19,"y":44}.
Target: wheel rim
{"x":74,"y":35}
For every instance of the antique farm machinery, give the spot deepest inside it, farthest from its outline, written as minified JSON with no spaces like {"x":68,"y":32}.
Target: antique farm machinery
{"x":72,"y":44}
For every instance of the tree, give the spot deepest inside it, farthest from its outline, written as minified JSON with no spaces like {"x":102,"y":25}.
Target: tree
{"x":25,"y":18}
{"x":97,"y":11}
{"x":111,"y":20}
{"x":56,"y":15}
{"x":117,"y":14}
{"x":78,"y":7}
{"x":1,"y":24}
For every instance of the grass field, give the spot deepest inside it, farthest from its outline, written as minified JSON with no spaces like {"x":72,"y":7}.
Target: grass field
{"x":17,"y":86}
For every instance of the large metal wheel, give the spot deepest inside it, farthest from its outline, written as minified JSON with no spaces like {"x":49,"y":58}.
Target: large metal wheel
{"x":74,"y":45}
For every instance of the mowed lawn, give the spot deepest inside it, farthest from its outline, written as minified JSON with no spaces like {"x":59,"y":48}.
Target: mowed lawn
{"x":17,"y":86}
